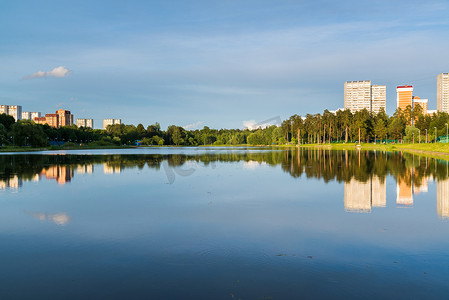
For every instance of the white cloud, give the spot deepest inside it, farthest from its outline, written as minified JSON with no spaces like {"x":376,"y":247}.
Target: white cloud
{"x":193,"y":125}
{"x":58,"y":72}
{"x":252,"y":124}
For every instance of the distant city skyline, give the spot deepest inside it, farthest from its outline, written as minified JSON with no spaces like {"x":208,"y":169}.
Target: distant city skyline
{"x":214,"y":63}
{"x":357,"y":95}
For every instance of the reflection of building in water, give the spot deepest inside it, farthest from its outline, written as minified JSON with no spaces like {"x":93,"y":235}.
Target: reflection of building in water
{"x":378,"y":192}
{"x":443,"y":198}
{"x":85,"y":169}
{"x":361,"y":196}
{"x":406,"y":189}
{"x":107,"y":169}
{"x":423,"y":188}
{"x":62,"y":174}
{"x":13,"y":183}
{"x":404,"y":192}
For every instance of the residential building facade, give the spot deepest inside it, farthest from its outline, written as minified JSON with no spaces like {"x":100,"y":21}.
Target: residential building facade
{"x":52,"y":120}
{"x":357,"y":95}
{"x":107,"y":122}
{"x":14,"y":111}
{"x":422,"y":103}
{"x":60,"y":118}
{"x":65,"y":118}
{"x":360,"y":95}
{"x":404,"y":96}
{"x":378,"y":98}
{"x":26,"y":115}
{"x":87,"y":123}
{"x":443,"y":92}
{"x":35,"y":115}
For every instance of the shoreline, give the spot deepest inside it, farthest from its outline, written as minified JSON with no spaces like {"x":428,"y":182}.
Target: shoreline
{"x":440,"y":151}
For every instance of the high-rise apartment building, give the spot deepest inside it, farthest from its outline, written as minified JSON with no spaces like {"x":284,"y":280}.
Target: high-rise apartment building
{"x":357,"y":95}
{"x":404,"y":96}
{"x":14,"y":111}
{"x":362,"y":95}
{"x":65,"y":118}
{"x":35,"y":115}
{"x":52,"y":120}
{"x":26,"y":115}
{"x":107,"y":122}
{"x":443,"y":92}
{"x":421,"y":102}
{"x":87,"y":123}
{"x":378,"y":98}
{"x":60,"y":118}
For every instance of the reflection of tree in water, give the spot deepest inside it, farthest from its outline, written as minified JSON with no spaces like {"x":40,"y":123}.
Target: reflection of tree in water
{"x":339,"y":165}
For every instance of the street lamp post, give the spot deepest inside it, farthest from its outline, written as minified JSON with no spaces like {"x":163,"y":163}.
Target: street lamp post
{"x":435,"y":135}
{"x":426,"y":136}
{"x":446,"y":132}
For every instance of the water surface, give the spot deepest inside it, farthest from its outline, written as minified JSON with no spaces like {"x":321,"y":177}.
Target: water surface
{"x":223,"y":223}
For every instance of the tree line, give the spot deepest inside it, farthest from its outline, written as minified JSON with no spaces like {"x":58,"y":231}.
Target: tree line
{"x":328,"y":165}
{"x":408,"y":125}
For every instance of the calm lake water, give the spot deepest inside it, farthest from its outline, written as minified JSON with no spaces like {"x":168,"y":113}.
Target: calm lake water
{"x":223,"y":223}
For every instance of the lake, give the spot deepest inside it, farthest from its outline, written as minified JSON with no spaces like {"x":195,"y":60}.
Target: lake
{"x":223,"y":223}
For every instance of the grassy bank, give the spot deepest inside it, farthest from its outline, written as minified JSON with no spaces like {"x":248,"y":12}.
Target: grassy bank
{"x":438,"y":150}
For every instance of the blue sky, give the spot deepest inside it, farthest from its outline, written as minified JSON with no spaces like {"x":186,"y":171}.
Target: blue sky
{"x":214,"y":63}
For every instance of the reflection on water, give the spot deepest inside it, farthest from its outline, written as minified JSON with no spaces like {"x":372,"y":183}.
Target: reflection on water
{"x":362,"y":172}
{"x":223,"y":224}
{"x":443,"y":198}
{"x":58,"y":218}
{"x":11,"y":183}
{"x":62,"y":174}
{"x":362,"y":196}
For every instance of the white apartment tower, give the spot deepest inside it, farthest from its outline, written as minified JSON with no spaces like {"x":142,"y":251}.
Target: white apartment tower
{"x":35,"y":115}
{"x":443,"y":92}
{"x":378,"y":98}
{"x":360,"y":95}
{"x":12,"y":110}
{"x":26,"y":115}
{"x":87,"y":123}
{"x":107,"y":122}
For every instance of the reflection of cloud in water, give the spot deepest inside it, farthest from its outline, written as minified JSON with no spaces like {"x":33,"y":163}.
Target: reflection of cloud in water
{"x":252,"y":164}
{"x":58,"y":218}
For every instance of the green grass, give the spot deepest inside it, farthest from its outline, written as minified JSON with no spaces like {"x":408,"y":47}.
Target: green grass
{"x":438,"y":150}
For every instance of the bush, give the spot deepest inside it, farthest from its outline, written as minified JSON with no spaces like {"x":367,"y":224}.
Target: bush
{"x":101,"y":143}
{"x":69,"y":145}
